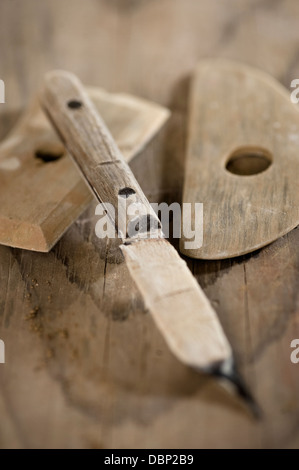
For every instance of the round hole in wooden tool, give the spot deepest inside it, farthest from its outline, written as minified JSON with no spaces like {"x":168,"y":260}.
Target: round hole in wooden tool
{"x":48,"y":156}
{"x":74,"y":104}
{"x":248,"y":161}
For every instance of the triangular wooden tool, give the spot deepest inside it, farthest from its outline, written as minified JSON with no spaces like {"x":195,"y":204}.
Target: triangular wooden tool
{"x":41,"y":191}
{"x":242,"y":159}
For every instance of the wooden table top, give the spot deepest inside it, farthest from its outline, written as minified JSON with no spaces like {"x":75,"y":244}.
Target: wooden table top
{"x":85,"y":364}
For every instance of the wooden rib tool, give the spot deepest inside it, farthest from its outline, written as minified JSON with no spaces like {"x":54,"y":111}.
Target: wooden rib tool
{"x":179,"y":307}
{"x":34,"y":162}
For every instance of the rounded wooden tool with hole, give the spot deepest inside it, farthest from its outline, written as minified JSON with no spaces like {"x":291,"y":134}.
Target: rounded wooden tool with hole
{"x":242,"y":159}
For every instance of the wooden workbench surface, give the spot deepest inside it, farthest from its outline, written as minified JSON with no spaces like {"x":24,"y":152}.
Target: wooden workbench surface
{"x":85,"y":364}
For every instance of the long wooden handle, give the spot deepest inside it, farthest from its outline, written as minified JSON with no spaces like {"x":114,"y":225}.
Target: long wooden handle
{"x":179,"y":306}
{"x":92,"y":147}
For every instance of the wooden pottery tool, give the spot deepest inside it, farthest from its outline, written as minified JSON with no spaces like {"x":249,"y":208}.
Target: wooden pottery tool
{"x":179,"y":307}
{"x":242,"y":159}
{"x":41,"y":193}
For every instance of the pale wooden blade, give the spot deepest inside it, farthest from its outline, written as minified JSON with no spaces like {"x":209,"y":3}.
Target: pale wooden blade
{"x":178,"y":305}
{"x":39,"y":200}
{"x":236,"y":110}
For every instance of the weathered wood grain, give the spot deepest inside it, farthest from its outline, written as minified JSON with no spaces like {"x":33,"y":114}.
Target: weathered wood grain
{"x":113,"y":382}
{"x":242,"y":159}
{"x":41,"y":191}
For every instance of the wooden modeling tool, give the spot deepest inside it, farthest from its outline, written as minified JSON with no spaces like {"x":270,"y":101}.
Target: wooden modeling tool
{"x":242,"y":159}
{"x":41,"y":193}
{"x":179,"y":307}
